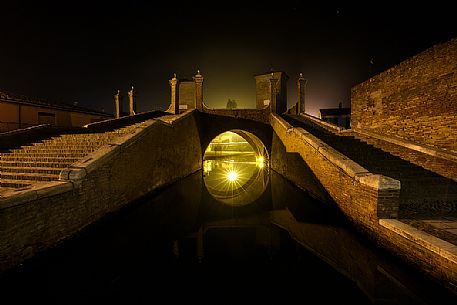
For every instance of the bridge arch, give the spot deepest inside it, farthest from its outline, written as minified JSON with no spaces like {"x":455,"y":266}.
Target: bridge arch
{"x":235,"y":168}
{"x":256,"y":133}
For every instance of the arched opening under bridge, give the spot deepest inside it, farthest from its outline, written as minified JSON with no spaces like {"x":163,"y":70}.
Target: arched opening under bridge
{"x":236,"y":167}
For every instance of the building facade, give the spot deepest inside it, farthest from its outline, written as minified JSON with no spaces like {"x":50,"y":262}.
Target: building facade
{"x":21,"y":112}
{"x":339,"y":116}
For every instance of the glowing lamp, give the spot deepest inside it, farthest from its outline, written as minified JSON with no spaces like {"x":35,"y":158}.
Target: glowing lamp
{"x":232,"y":176}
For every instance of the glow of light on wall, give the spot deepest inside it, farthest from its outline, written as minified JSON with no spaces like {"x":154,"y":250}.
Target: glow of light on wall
{"x":260,"y":161}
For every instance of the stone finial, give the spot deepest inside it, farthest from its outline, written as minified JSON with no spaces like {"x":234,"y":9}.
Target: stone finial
{"x":198,"y":80}
{"x":301,"y":87}
{"x":174,"y":102}
{"x":118,"y":104}
{"x":132,"y":102}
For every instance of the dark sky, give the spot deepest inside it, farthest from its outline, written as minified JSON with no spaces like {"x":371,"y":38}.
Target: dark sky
{"x":85,"y":50}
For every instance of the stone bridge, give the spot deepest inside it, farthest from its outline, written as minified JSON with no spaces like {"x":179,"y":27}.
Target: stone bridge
{"x":54,"y":183}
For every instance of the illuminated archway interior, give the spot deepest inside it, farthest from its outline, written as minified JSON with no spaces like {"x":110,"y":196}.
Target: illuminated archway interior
{"x":235,"y":167}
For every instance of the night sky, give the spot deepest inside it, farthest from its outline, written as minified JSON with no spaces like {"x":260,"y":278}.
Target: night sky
{"x":84,"y":51}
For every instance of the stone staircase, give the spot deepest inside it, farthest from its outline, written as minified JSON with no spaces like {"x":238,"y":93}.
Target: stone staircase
{"x":43,"y":161}
{"x":422,"y":191}
{"x":445,"y":167}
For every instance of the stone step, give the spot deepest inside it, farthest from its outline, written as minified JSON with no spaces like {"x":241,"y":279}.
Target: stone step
{"x":39,"y":159}
{"x":40,"y":150}
{"x":29,"y":176}
{"x":30,"y":169}
{"x":77,"y":141}
{"x":93,"y":146}
{"x":9,"y":164}
{"x":45,"y":155}
{"x":15,"y":183}
{"x":82,"y":136}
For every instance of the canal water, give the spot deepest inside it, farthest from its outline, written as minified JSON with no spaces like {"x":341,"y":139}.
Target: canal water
{"x":186,"y":243}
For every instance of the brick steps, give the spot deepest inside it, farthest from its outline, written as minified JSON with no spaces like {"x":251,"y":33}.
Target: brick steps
{"x":31,"y":158}
{"x":32,"y":169}
{"x":8,"y":164}
{"x":29,"y":176}
{"x":368,"y":156}
{"x":46,"y":155}
{"x":419,"y":186}
{"x":73,"y":146}
{"x":39,"y":150}
{"x":14,"y":183}
{"x":44,"y":160}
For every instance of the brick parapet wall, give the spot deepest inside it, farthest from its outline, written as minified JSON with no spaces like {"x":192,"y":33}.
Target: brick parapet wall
{"x":431,"y":158}
{"x":258,"y":115}
{"x":415,"y":100}
{"x":35,"y":219}
{"x":364,"y":199}
{"x":363,"y":195}
{"x":111,"y":124}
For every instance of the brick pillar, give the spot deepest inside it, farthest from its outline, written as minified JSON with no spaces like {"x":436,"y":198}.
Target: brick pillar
{"x":174,"y":84}
{"x":273,"y":93}
{"x":132,"y":102}
{"x":198,"y":79}
{"x":118,"y":104}
{"x":301,"y":83}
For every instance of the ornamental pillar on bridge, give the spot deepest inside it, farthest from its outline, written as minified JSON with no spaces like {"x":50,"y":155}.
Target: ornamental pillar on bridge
{"x":273,"y":92}
{"x":174,"y":84}
{"x":132,"y":102}
{"x":301,"y":83}
{"x":118,"y":104}
{"x":198,"y":79}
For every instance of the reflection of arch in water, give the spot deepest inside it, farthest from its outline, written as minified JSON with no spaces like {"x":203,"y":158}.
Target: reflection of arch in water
{"x":243,"y":194}
{"x":235,"y":193}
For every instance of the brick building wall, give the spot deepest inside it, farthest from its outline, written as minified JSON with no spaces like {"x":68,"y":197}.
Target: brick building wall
{"x":415,"y":100}
{"x":15,"y":116}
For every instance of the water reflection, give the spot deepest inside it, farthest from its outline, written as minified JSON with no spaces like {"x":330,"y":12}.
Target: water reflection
{"x":182,"y":245}
{"x":235,"y":171}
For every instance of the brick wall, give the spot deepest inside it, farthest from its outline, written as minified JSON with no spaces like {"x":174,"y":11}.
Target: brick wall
{"x":187,"y":94}
{"x":258,"y":115}
{"x":263,"y":91}
{"x":415,"y":100}
{"x":101,"y":183}
{"x":359,"y":194}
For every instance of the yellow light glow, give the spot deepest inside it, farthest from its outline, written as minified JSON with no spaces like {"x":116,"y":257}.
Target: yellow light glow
{"x":259,"y":161}
{"x":232,"y":176}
